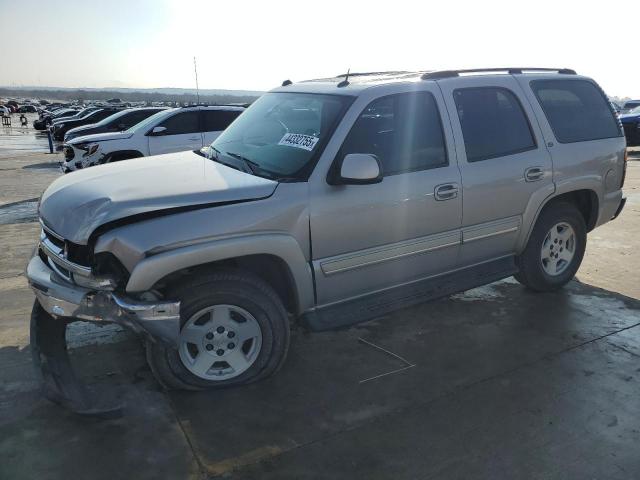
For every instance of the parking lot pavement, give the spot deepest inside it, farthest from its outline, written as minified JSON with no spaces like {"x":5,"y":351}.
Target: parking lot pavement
{"x":19,"y":140}
{"x":496,"y":382}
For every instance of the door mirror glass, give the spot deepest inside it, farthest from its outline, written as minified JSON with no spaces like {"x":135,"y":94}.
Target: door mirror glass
{"x":359,"y":169}
{"x":158,"y":131}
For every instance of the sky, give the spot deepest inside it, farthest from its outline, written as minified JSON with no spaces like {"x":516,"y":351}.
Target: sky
{"x":255,"y":45}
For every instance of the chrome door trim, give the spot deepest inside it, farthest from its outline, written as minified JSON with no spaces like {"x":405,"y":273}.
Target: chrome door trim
{"x":384,"y":253}
{"x":491,"y":229}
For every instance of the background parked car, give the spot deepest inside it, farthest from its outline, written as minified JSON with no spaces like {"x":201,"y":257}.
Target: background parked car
{"x":4,"y":111}
{"x":631,"y":124}
{"x":173,"y":130}
{"x":59,"y":129}
{"x":28,"y":109}
{"x":74,"y":115}
{"x":47,"y":118}
{"x":118,"y":122}
{"x":630,"y":105}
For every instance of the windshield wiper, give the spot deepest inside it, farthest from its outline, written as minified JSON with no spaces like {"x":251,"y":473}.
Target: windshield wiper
{"x":249,"y":165}
{"x":216,"y":158}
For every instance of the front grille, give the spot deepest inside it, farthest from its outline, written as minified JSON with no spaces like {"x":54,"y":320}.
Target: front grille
{"x":57,"y":241}
{"x":64,"y":257}
{"x":68,"y":153}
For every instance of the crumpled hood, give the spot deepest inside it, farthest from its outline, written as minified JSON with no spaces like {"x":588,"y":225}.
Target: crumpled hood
{"x":76,"y":204}
{"x":99,"y":137}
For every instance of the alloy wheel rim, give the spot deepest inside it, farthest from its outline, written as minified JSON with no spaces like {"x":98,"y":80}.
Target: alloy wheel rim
{"x":558,"y":249}
{"x":220,"y":342}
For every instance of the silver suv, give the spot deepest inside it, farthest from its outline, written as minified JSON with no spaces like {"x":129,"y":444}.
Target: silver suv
{"x":326,"y":202}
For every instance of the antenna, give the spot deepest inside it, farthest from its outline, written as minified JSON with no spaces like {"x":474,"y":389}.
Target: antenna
{"x":345,"y":82}
{"x":195,"y":68}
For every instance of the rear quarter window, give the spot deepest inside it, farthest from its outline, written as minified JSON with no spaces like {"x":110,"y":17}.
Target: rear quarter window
{"x":577,"y":110}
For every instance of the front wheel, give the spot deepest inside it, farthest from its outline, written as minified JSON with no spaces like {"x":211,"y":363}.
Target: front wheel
{"x":234,"y":330}
{"x":555,"y":249}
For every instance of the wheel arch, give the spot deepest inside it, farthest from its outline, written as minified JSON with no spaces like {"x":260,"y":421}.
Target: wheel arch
{"x":276,"y":258}
{"x":586,"y":201}
{"x":123,"y":155}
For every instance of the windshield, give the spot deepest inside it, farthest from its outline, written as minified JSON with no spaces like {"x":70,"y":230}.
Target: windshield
{"x":281,"y":134}
{"x":147,"y":122}
{"x":635,"y":110}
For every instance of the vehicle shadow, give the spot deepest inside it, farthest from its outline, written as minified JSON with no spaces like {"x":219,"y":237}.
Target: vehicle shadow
{"x":460,"y":348}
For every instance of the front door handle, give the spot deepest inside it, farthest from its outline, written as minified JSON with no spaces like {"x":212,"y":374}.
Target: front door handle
{"x":446,"y":191}
{"x":193,"y":139}
{"x":533,"y":174}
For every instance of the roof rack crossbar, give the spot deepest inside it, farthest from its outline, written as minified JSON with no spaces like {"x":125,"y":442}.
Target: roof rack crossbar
{"x":371,"y":74}
{"x":510,"y":70}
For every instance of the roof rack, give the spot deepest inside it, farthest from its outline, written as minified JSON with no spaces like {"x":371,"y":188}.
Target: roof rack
{"x":371,"y":74}
{"x":245,"y":105}
{"x":510,"y":70}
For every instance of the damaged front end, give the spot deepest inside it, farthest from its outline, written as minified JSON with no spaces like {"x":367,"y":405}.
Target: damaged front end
{"x":67,"y":291}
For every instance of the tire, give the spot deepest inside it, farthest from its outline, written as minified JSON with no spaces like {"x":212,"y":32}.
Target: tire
{"x":237,"y":294}
{"x":541,"y":273}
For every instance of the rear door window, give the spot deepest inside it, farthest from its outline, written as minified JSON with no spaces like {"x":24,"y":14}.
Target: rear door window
{"x":577,"y":110}
{"x":218,"y":120}
{"x":182,"y":123}
{"x":493,"y":123}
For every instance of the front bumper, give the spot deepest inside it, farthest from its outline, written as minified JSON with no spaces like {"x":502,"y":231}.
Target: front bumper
{"x":623,"y":202}
{"x":77,"y":159}
{"x":59,"y":303}
{"x":60,"y":299}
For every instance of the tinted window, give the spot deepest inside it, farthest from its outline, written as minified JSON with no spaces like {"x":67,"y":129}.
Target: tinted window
{"x":218,"y":120}
{"x":576,"y":109}
{"x":403,"y":131}
{"x":130,"y":119}
{"x":493,"y":123}
{"x":182,"y":123}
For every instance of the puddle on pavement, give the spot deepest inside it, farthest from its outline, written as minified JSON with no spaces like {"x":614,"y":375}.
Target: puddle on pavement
{"x":19,"y":212}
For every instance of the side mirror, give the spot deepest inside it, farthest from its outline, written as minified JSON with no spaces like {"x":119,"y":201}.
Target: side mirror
{"x":158,"y":131}
{"x":359,"y":169}
{"x":122,"y":127}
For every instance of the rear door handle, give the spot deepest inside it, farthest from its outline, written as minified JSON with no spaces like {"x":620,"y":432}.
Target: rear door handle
{"x":446,"y":191}
{"x":533,"y":174}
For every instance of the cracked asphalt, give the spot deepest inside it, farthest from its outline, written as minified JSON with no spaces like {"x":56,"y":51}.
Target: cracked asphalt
{"x":505,"y":383}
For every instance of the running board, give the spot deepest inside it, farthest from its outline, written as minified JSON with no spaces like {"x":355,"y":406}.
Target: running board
{"x":374,"y":305}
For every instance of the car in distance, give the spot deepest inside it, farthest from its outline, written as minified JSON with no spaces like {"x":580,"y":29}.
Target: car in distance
{"x":630,"y":105}
{"x":47,"y":118}
{"x":118,"y":122}
{"x":631,"y":124}
{"x":209,"y":259}
{"x":28,"y":109}
{"x":58,"y":129}
{"x":168,"y":131}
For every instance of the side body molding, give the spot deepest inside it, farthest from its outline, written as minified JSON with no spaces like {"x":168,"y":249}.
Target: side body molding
{"x":153,"y":268}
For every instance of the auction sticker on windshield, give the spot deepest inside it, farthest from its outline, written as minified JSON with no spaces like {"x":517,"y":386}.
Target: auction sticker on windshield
{"x":298,"y":140}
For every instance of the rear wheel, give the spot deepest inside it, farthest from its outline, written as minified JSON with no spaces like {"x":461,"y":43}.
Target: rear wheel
{"x":555,"y":249}
{"x":234,"y":331}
